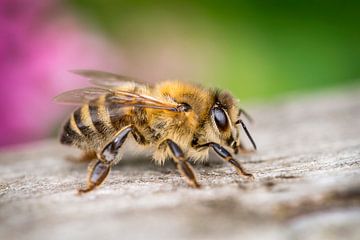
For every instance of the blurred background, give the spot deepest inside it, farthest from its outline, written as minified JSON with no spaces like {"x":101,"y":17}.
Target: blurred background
{"x":259,"y":50}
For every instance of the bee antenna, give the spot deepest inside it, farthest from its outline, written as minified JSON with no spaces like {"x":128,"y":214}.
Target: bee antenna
{"x":248,"y":117}
{"x":247,"y":132}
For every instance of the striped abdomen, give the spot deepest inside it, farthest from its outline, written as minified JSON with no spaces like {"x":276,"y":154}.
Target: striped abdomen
{"x":92,"y":125}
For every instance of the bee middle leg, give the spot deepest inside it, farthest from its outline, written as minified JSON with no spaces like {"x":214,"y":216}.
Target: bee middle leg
{"x":99,"y":169}
{"x":182,"y":164}
{"x":225,"y":155}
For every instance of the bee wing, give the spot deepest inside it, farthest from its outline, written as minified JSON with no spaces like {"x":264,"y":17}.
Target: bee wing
{"x":106,"y":79}
{"x":81,"y":96}
{"x":129,"y":99}
{"x":117,"y":98}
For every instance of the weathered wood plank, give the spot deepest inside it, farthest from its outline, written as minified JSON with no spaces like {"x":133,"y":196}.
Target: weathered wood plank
{"x":307,"y":185}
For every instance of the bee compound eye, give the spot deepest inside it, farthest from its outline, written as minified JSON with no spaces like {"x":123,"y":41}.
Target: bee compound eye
{"x":220,"y":118}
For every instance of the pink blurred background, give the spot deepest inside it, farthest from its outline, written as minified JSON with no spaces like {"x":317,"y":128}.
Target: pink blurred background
{"x":257,"y":49}
{"x":39,"y":42}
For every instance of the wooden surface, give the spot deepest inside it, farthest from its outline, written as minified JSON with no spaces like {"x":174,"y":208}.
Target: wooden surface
{"x":307,"y":185}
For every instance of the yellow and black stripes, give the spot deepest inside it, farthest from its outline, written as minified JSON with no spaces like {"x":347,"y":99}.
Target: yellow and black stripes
{"x":100,"y":117}
{"x":71,"y":134}
{"x":68,"y":135}
{"x":79,"y":128}
{"x":83,"y":122}
{"x":99,"y":125}
{"x":95,"y":123}
{"x":118,"y":115}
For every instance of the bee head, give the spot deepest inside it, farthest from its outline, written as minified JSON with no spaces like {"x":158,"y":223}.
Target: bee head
{"x":225,"y":116}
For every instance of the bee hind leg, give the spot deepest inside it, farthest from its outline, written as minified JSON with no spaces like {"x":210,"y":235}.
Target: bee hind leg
{"x":182,"y":164}
{"x":97,"y":172}
{"x":99,"y":169}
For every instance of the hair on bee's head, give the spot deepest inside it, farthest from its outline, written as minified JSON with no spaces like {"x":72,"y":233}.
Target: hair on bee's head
{"x":224,"y":99}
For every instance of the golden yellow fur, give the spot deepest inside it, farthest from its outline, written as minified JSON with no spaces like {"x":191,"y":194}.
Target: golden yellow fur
{"x":172,"y":119}
{"x":180,"y":127}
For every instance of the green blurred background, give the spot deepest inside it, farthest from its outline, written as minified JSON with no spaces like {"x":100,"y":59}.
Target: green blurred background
{"x":258,"y":49}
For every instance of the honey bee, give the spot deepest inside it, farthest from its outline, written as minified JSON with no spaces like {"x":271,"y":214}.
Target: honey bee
{"x":172,"y":120}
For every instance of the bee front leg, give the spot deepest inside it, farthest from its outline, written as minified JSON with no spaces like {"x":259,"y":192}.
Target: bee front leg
{"x":182,"y":164}
{"x":225,"y":155}
{"x":99,"y":169}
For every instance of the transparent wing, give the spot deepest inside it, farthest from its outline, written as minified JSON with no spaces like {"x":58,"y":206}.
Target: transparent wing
{"x":106,"y":79}
{"x":81,"y":96}
{"x":116,"y":97}
{"x":129,"y":99}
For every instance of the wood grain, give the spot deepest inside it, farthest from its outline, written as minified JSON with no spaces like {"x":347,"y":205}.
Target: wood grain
{"x":307,"y":185}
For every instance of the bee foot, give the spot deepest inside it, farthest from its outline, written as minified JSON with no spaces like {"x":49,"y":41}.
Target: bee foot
{"x":194,"y":184}
{"x":249,"y":176}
